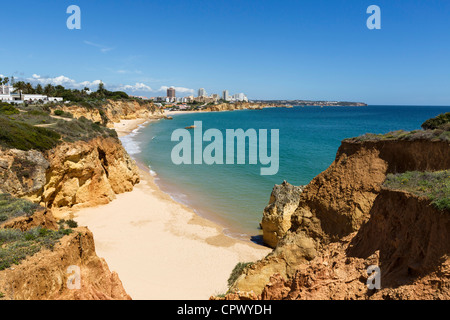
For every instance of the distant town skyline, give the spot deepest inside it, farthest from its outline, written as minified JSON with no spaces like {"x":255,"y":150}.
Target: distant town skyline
{"x":312,"y":50}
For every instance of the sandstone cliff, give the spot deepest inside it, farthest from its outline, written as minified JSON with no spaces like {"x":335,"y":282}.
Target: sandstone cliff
{"x":44,"y":276}
{"x":71,"y":174}
{"x":321,"y":249}
{"x":81,"y":173}
{"x":113,"y":111}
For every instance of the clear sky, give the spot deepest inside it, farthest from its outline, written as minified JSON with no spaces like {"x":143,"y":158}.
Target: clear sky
{"x":303,"y":49}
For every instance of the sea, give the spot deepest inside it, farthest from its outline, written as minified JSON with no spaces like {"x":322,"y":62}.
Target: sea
{"x":234,"y":195}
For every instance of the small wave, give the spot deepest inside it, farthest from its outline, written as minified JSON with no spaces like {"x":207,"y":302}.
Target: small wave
{"x":131,"y":145}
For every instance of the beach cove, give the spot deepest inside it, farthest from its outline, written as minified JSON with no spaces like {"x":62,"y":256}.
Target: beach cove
{"x":160,"y":248}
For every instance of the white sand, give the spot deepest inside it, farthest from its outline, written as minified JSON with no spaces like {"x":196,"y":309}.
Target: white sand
{"x":160,"y":248}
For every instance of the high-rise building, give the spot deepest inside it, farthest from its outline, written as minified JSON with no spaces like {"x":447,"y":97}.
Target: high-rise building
{"x":225,"y":95}
{"x":171,"y":93}
{"x":202,"y":92}
{"x":240,"y":97}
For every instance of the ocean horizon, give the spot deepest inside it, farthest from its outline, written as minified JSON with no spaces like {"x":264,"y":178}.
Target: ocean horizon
{"x":234,"y":196}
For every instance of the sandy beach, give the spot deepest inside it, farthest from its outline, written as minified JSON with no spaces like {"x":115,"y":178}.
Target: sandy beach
{"x":160,"y":248}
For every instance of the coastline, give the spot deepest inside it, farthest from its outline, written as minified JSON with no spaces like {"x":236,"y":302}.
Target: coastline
{"x":160,"y":248}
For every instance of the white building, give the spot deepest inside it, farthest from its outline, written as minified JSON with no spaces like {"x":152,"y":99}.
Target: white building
{"x":7,"y":94}
{"x":225,"y":95}
{"x":202,"y":92}
{"x":34,"y":97}
{"x":6,"y":90}
{"x":240,"y":97}
{"x":55,"y":99}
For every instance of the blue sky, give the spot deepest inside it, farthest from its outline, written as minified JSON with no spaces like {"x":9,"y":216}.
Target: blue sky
{"x":312,"y":49}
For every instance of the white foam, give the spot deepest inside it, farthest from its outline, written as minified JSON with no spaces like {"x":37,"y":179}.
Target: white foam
{"x":131,"y":145}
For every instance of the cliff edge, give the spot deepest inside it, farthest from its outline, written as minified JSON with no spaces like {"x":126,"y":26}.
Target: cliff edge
{"x":346,"y":220}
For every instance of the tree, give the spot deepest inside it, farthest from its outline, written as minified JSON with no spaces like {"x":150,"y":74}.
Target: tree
{"x":28,"y":88}
{"x":39,"y":89}
{"x":19,"y":85}
{"x":49,"y":90}
{"x":101,"y":88}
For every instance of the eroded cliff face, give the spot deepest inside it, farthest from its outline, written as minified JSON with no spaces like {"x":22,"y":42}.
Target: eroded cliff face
{"x":410,"y":244}
{"x":88,"y":173}
{"x":22,"y":172}
{"x":45,"y":275}
{"x":331,"y":211}
{"x":113,"y":111}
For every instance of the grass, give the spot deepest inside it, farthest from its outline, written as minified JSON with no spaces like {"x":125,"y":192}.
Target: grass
{"x":82,"y":129}
{"x":7,"y":109}
{"x":435,"y":129}
{"x":11,"y":207}
{"x":237,"y":271}
{"x":23,"y":136}
{"x":16,"y":245}
{"x":432,"y":135}
{"x":33,"y":117}
{"x":19,"y":131}
{"x":433,"y":185}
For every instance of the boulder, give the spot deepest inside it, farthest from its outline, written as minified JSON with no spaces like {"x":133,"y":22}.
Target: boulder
{"x":276,"y":220}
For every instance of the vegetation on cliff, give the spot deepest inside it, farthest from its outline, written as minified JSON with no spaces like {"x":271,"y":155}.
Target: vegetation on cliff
{"x":435,"y":129}
{"x":433,"y":185}
{"x":37,"y":129}
{"x":370,"y":207}
{"x":442,"y":121}
{"x":17,"y":245}
{"x":22,"y":136}
{"x":237,"y":271}
{"x":11,"y":207}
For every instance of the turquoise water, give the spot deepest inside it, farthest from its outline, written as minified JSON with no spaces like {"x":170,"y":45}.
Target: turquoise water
{"x":235,"y":195}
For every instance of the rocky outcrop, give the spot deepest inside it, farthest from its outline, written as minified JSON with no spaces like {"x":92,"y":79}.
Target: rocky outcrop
{"x":22,"y":173}
{"x":88,"y":173}
{"x":71,"y":174}
{"x":332,"y":210}
{"x":45,"y":275}
{"x":276,"y":219}
{"x":409,"y":244}
{"x":41,"y":218}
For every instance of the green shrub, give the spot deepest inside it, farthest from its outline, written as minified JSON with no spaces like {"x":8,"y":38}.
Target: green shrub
{"x":17,"y":245}
{"x":19,"y":135}
{"x":72,"y":223}
{"x":433,"y":185}
{"x":435,"y":129}
{"x":237,"y":271}
{"x":61,"y":113}
{"x":7,"y":109}
{"x":82,"y":129}
{"x":437,"y":122}
{"x":11,"y":207}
